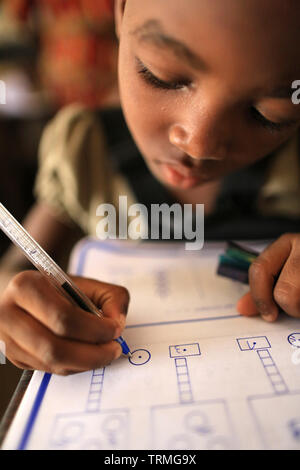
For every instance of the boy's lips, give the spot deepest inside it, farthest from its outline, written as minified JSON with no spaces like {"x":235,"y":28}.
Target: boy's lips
{"x":178,"y":174}
{"x":181,"y":167}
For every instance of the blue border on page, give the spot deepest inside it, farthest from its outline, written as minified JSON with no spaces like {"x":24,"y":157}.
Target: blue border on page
{"x":79,"y":270}
{"x":34,"y":411}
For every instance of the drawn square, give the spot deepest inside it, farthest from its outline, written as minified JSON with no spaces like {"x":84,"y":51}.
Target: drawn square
{"x":183,"y":379}
{"x":281,"y":388}
{"x":263,"y":353}
{"x":268,"y":361}
{"x":97,"y":379}
{"x":185,"y":387}
{"x":180,"y":362}
{"x":186,"y":396}
{"x":277,"y":379}
{"x":272,"y":370}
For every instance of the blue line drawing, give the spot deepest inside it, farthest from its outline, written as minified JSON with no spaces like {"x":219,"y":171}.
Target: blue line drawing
{"x":294,"y":427}
{"x":161,"y":283}
{"x":180,"y":352}
{"x":261,"y":345}
{"x":139,"y":357}
{"x":253,"y":343}
{"x":277,"y":430}
{"x":89,"y":244}
{"x":184,"y":350}
{"x":77,"y":430}
{"x":197,"y":425}
{"x":197,"y":422}
{"x":294,"y":339}
{"x":276,"y":380}
{"x":183,"y":380}
{"x":95,"y":391}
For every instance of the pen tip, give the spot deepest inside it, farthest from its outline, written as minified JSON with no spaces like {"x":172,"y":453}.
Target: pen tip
{"x":129,"y":354}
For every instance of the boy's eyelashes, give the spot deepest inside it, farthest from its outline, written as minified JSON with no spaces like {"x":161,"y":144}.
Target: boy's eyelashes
{"x":156,"y":82}
{"x":267,"y":124}
{"x":178,"y":84}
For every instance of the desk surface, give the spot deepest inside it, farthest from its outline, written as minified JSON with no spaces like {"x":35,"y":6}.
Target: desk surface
{"x":14,"y":403}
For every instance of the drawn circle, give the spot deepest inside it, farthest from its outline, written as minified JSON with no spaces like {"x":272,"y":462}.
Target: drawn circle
{"x":294,"y":340}
{"x":139,"y":357}
{"x":113,"y":423}
{"x":72,"y":431}
{"x":198,"y":423}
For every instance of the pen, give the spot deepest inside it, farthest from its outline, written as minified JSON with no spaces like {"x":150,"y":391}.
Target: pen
{"x":45,"y":264}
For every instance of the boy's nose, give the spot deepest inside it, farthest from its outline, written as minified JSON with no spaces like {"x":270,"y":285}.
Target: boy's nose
{"x":200,"y":140}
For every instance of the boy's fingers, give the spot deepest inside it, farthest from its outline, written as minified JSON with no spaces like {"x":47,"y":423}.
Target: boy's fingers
{"x":57,"y":355}
{"x":112,"y":299}
{"x":34,"y":294}
{"x":21,"y":358}
{"x":262,"y":277}
{"x":287,"y":289}
{"x":246,"y":306}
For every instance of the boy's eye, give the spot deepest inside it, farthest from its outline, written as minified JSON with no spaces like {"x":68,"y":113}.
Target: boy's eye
{"x":156,"y":82}
{"x":270,"y":125}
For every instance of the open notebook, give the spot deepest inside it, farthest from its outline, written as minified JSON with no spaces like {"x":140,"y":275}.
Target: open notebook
{"x":201,"y":376}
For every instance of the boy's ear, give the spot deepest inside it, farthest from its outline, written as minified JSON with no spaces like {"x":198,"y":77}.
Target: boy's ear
{"x":119,"y":11}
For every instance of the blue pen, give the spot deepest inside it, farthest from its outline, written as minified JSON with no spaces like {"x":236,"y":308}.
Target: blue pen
{"x":45,"y":264}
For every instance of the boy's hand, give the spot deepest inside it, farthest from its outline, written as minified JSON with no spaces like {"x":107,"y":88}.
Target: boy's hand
{"x":43,"y":330}
{"x":274,"y":279}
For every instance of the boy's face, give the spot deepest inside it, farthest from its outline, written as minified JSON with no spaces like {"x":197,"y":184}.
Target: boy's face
{"x":206,"y":84}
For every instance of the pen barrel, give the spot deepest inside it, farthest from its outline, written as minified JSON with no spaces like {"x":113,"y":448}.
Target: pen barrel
{"x":69,"y":289}
{"x":43,"y":262}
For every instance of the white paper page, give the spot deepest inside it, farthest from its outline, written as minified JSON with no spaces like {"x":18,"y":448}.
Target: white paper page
{"x":201,"y":376}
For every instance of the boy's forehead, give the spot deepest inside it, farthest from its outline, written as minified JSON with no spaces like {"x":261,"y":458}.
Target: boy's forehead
{"x":268,"y":13}
{"x":263,"y":34}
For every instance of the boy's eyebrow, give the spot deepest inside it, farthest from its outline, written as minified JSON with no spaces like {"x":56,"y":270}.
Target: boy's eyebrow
{"x":152,"y":31}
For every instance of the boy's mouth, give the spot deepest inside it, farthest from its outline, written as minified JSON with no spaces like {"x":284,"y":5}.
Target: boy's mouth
{"x":180,"y":175}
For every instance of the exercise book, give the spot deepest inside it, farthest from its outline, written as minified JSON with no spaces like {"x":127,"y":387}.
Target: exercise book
{"x":200,"y":377}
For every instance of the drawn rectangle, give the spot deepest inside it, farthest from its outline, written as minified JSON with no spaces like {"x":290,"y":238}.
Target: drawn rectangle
{"x":184,"y":350}
{"x":253,"y":343}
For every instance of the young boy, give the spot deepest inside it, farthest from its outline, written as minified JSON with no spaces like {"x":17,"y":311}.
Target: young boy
{"x":206,"y":90}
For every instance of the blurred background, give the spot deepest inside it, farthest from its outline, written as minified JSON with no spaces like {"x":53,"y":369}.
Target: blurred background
{"x":52,"y":53}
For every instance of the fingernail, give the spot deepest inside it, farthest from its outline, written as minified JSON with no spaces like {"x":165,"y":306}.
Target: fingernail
{"x":268,"y":316}
{"x":119,"y":328}
{"x":122,"y":321}
{"x":118,"y":350}
{"x":124,"y":309}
